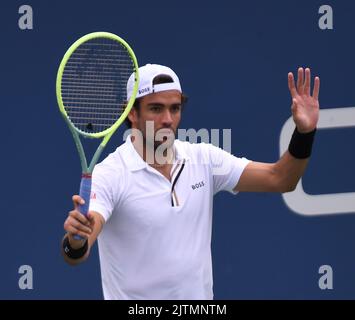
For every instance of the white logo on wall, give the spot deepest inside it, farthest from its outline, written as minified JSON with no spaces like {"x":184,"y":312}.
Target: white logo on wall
{"x":191,"y":135}
{"x":326,"y":280}
{"x":25,"y":22}
{"x":326,"y":20}
{"x":310,"y":205}
{"x":26,"y":280}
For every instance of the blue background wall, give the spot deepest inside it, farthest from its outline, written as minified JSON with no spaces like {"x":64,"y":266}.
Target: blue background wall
{"x":232,"y":58}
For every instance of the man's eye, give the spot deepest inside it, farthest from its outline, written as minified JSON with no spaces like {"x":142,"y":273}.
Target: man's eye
{"x":176,"y":108}
{"x":155,"y":108}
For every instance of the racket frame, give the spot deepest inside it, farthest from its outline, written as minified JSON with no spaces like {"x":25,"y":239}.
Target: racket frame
{"x":106,"y":134}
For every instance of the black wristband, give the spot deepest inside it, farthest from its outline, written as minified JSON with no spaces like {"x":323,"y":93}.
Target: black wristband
{"x":74,"y":253}
{"x":300,"y":145}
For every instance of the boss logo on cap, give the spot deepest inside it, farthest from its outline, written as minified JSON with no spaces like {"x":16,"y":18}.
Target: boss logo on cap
{"x":144,"y":90}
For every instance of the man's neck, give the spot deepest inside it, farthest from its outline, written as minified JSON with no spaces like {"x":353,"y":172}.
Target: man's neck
{"x":150,"y":154}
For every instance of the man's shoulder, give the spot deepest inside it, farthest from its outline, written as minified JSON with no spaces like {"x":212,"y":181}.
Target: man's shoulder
{"x":202,"y":153}
{"x":112,"y":163}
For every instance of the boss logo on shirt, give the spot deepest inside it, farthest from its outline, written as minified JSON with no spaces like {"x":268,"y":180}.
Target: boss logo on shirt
{"x":198,"y":185}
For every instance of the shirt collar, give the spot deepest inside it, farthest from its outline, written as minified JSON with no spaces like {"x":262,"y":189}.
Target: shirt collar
{"x":180,"y":152}
{"x":131,"y":157}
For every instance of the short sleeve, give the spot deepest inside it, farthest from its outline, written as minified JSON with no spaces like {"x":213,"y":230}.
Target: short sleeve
{"x":102,"y":200}
{"x":226,"y":169}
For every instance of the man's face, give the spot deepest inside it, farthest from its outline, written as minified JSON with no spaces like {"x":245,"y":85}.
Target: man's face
{"x":161,"y":109}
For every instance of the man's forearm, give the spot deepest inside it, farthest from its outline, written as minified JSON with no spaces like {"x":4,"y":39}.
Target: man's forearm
{"x":293,"y":163}
{"x":289,"y":170}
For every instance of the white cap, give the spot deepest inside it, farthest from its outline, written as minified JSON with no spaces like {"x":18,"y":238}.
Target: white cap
{"x":146,"y":75}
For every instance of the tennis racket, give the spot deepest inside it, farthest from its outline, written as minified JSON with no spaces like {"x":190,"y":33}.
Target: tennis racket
{"x":91,"y":94}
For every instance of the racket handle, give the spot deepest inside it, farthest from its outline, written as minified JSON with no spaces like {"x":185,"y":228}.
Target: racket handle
{"x":85,"y":192}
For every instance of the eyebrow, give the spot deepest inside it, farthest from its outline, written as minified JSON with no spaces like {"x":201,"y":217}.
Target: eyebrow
{"x":162,"y":104}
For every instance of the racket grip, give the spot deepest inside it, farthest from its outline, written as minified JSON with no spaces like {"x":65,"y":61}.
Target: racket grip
{"x":85,"y":192}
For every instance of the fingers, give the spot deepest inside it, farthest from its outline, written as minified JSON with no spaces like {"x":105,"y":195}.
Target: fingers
{"x":291,"y":84}
{"x":80,"y":217}
{"x":77,"y":200}
{"x":77,"y":223}
{"x":316,"y":88}
{"x":72,"y":230}
{"x":303,"y":83}
{"x":300,"y":79}
{"x":307,"y":82}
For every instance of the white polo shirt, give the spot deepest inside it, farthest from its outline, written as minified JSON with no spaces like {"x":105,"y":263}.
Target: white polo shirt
{"x":156,"y":243}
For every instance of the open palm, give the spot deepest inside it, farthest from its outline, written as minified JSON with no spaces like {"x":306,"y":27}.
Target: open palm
{"x":305,"y":107}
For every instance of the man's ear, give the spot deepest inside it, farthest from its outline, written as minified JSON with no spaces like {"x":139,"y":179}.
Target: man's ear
{"x":132,"y":115}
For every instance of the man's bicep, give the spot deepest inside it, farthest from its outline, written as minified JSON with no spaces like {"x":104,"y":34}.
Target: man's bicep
{"x":257,"y":177}
{"x":225,"y":168}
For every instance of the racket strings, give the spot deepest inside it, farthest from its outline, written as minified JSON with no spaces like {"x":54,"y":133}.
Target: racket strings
{"x":94,"y":84}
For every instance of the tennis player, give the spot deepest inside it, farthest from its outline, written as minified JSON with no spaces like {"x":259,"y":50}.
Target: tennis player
{"x":152,"y":199}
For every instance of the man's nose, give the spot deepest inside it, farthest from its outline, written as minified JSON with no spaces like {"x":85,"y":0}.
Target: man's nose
{"x":167,"y":119}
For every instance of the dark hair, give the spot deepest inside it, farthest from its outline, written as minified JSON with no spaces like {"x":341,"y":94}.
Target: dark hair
{"x":163,"y":78}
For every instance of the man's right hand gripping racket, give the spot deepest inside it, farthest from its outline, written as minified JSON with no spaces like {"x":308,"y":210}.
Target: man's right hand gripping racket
{"x":91,"y":94}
